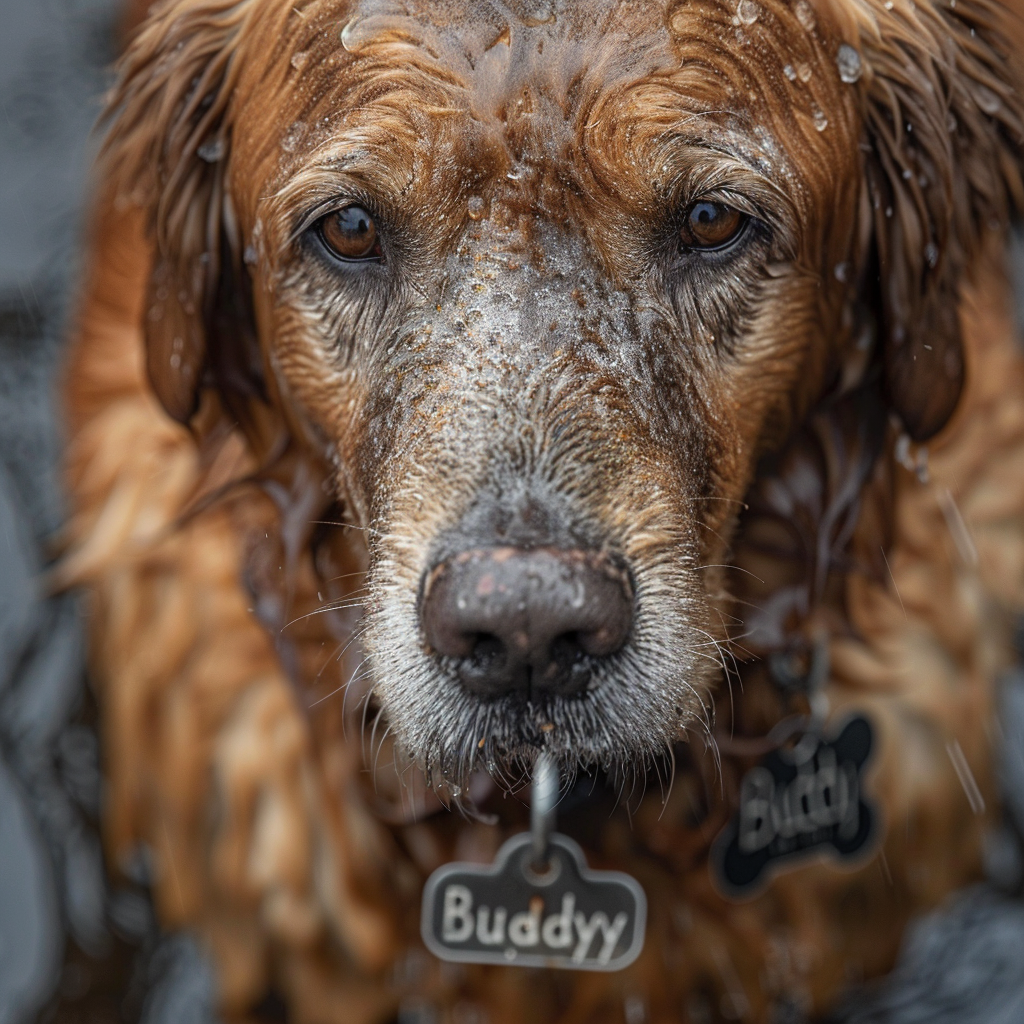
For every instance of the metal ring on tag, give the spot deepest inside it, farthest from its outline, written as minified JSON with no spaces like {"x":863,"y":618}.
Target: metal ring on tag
{"x":543,"y":797}
{"x":547,"y":875}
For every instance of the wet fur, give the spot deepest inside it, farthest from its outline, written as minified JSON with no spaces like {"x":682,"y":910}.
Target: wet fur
{"x":256,"y":573}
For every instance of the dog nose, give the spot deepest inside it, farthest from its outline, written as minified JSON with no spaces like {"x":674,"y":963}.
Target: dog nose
{"x":532,"y":620}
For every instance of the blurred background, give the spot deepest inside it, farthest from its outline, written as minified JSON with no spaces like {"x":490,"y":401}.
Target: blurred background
{"x":72,"y":947}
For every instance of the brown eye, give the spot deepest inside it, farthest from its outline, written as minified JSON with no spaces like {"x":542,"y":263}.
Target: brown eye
{"x":351,"y":234}
{"x":709,"y":225}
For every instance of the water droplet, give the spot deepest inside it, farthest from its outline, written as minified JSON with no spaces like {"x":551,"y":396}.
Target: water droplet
{"x":211,"y":150}
{"x":902,"y":451}
{"x":803,"y":72}
{"x":299,"y":60}
{"x":820,"y":120}
{"x":476,"y":207}
{"x":888,"y":5}
{"x":350,"y":36}
{"x":921,"y":468}
{"x":789,"y":72}
{"x":907,"y":174}
{"x":951,"y":124}
{"x":931,"y":254}
{"x":987,"y":99}
{"x":848,"y":62}
{"x":805,"y":14}
{"x":842,"y":271}
{"x":748,"y":11}
{"x":295,"y":134}
{"x":249,"y":255}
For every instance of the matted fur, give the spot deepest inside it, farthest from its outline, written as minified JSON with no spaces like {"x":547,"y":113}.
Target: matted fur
{"x":268,"y":704}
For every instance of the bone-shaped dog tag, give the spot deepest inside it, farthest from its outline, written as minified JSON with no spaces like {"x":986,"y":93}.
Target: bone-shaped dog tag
{"x":797,"y":804}
{"x":507,"y":913}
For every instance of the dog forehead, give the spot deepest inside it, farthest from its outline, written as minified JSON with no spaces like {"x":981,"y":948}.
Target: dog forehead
{"x":493,"y":84}
{"x":569,"y":52}
{"x":490,"y":41}
{"x":526,"y":68}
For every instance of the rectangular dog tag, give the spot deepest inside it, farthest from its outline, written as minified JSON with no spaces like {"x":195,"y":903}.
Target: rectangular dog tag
{"x":507,"y":913}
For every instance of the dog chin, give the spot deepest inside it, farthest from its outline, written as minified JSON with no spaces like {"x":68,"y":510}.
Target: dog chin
{"x":624,"y":723}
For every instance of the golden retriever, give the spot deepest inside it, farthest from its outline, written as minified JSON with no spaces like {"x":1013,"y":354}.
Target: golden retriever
{"x":457,"y":381}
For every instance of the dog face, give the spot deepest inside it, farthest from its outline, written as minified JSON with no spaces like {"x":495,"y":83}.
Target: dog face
{"x":542,"y":287}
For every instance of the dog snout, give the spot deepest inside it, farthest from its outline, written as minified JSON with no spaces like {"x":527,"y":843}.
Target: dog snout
{"x":529,"y":620}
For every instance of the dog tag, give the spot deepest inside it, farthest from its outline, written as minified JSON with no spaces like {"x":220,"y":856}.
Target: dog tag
{"x":797,"y":803}
{"x":508,"y":913}
{"x":538,"y":905}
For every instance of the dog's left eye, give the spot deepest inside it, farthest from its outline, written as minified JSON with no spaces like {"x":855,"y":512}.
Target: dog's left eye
{"x":709,"y":225}
{"x":350,"y":234}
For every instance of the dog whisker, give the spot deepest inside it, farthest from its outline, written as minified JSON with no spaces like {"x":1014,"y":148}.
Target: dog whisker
{"x":894,"y":587}
{"x":380,"y":747}
{"x":666,"y":795}
{"x":334,"y":656}
{"x":723,"y":565}
{"x":334,"y":606}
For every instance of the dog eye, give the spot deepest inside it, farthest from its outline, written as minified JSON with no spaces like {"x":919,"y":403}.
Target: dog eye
{"x":708,"y":225}
{"x":351,"y":234}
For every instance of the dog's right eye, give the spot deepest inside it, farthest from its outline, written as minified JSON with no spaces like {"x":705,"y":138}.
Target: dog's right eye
{"x":351,"y":234}
{"x":708,"y":225}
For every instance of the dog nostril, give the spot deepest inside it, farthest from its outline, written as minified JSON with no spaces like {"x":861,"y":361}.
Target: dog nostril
{"x":487,"y":648}
{"x":515,"y":619}
{"x":566,"y":653}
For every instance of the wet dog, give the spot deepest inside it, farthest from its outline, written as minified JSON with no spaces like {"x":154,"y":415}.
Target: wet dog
{"x":521,"y":378}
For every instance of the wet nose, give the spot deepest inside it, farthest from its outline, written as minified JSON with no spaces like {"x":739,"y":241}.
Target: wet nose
{"x":533,"y":620}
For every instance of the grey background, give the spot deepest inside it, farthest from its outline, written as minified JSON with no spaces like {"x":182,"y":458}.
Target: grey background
{"x":73,"y":945}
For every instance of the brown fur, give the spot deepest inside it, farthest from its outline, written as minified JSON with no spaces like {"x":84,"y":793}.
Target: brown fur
{"x":230,"y":559}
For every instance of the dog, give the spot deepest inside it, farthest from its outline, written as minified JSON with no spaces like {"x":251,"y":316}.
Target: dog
{"x":635,"y":382}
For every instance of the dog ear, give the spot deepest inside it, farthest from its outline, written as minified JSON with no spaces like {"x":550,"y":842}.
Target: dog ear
{"x":168,"y":149}
{"x":943,"y":120}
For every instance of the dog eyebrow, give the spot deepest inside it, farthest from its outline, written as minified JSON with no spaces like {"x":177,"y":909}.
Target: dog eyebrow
{"x":714,"y":169}
{"x":311,"y":192}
